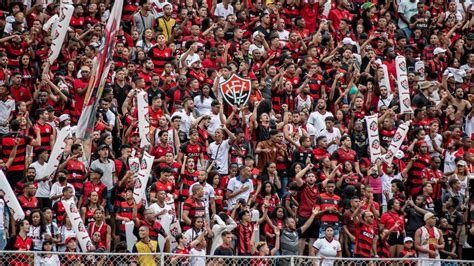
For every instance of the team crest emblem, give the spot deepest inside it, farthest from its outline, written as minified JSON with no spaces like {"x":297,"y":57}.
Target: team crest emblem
{"x":236,"y":90}
{"x":403,"y":66}
{"x":373,"y":126}
{"x":397,"y":137}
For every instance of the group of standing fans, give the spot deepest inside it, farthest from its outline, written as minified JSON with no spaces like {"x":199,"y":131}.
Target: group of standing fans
{"x":287,"y":173}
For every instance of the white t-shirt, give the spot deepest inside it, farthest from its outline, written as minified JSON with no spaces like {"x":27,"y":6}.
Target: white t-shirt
{"x":408,"y":9}
{"x":204,"y":106}
{"x":283,"y":37}
{"x":208,"y":194}
{"x":199,"y":258}
{"x":192,"y":235}
{"x":57,"y":189}
{"x":190,"y":59}
{"x":220,"y":153}
{"x":214,"y":124}
{"x":6,"y":108}
{"x":327,"y":249}
{"x":317,"y":120}
{"x":234,"y":185}
{"x":387,"y":185}
{"x":186,"y":120}
{"x":43,"y":190}
{"x":330,"y":137}
{"x":221,"y":11}
{"x":155,"y":208}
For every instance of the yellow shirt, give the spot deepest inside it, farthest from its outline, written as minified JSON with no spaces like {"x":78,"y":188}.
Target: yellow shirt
{"x":166,"y":26}
{"x":141,"y":247}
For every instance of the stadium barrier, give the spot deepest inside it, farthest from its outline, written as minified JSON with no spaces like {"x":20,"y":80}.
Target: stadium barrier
{"x":21,"y":258}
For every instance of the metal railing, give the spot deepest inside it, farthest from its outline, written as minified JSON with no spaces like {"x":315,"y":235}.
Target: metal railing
{"x":21,"y":258}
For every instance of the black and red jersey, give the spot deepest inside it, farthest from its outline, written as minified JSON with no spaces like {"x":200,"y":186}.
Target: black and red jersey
{"x":244,"y":235}
{"x":8,"y":142}
{"x":415,"y":176}
{"x":192,"y":150}
{"x":28,"y":204}
{"x":187,"y":180}
{"x":315,"y":86}
{"x":59,"y":211}
{"x":341,"y":156}
{"x":124,"y":209}
{"x":324,"y":201}
{"x":166,"y":187}
{"x":386,"y":137}
{"x":434,"y":176}
{"x":155,"y":229}
{"x":129,"y":8}
{"x":89,"y":187}
{"x":365,"y":236}
{"x":45,"y":131}
{"x":159,"y":57}
{"x":77,"y":173}
{"x":195,"y":207}
{"x":175,"y":97}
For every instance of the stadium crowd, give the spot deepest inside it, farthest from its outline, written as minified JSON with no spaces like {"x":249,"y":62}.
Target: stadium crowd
{"x":289,"y":172}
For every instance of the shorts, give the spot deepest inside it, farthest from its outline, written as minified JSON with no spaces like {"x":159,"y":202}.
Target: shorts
{"x":312,"y":231}
{"x":395,"y":238}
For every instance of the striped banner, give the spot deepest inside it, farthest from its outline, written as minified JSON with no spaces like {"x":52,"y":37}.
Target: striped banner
{"x":396,"y":143}
{"x":85,"y":126}
{"x":374,"y":140}
{"x":402,"y":84}
{"x":59,"y":29}
{"x":10,"y":198}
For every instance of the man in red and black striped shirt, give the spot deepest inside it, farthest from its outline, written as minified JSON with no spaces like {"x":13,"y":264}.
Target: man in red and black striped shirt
{"x":160,"y":53}
{"x":365,"y":236}
{"x":193,"y":206}
{"x":76,"y":169}
{"x":48,"y":134}
{"x":127,"y":211}
{"x":329,"y":206}
{"x":15,"y":172}
{"x":153,"y":225}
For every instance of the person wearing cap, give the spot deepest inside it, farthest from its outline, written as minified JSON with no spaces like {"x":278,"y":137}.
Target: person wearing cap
{"x":109,"y":177}
{"x":438,"y":63}
{"x":408,"y":251}
{"x":429,"y":240}
{"x":424,"y":95}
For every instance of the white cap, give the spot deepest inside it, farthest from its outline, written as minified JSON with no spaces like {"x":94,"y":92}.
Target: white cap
{"x":347,"y":41}
{"x":255,"y":34}
{"x":438,"y":51}
{"x":407,"y":239}
{"x":194,"y":60}
{"x":63,"y":118}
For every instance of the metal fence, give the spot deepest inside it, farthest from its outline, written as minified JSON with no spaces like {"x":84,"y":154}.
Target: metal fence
{"x":16,"y":258}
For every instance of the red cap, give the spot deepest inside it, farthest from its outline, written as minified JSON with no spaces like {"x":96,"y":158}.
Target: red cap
{"x":69,"y":239}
